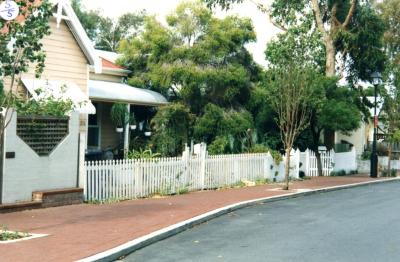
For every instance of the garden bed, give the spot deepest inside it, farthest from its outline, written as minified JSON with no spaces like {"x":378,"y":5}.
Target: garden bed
{"x":7,"y":237}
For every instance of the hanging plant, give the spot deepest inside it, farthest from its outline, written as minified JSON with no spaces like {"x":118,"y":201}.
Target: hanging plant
{"x":119,"y":116}
{"x":132,"y":122}
{"x":147,"y":130}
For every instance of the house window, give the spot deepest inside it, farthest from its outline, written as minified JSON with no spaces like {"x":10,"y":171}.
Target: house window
{"x":94,"y":129}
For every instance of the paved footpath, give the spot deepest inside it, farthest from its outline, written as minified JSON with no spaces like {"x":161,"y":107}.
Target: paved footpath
{"x":80,"y":231}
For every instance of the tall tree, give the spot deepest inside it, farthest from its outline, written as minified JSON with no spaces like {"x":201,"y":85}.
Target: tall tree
{"x":197,"y":60}
{"x":198,"y":63}
{"x":390,"y":12}
{"x":346,"y":27}
{"x":107,"y":33}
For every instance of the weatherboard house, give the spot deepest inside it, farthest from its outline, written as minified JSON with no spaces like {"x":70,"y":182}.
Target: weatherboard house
{"x":93,"y":81}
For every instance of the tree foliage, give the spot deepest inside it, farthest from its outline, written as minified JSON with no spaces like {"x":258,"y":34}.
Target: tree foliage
{"x":291,"y":94}
{"x":198,"y":61}
{"x":197,"y":58}
{"x":21,"y":47}
{"x":390,"y":12}
{"x":350,"y":28}
{"x":107,"y":33}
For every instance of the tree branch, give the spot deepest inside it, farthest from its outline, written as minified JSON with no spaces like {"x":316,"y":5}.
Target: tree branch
{"x":318,"y":17}
{"x":350,"y":14}
{"x":266,"y":11}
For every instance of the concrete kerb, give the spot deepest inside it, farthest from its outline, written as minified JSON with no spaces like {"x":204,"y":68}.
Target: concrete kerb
{"x":136,"y":244}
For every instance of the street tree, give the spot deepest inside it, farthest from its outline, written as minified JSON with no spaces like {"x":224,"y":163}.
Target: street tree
{"x":20,"y":42}
{"x":291,"y":95}
{"x":335,"y":108}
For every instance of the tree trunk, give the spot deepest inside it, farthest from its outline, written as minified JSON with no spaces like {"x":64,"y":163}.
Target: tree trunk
{"x":287,"y":169}
{"x":330,"y":56}
{"x":389,"y":167}
{"x":319,"y":162}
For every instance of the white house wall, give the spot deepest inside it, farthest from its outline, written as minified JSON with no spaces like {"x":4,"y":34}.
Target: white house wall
{"x":28,"y":172}
{"x":358,"y":138}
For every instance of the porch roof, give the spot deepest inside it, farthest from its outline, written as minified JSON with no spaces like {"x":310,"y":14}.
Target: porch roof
{"x":122,"y":93}
{"x":60,"y":89}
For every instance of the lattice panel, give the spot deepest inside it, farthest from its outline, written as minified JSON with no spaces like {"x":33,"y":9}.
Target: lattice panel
{"x":42,"y":134}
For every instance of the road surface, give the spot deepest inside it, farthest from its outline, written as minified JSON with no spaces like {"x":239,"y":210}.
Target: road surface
{"x":359,"y":224}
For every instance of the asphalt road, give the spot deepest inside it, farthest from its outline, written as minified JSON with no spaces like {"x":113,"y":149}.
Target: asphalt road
{"x":359,"y":224}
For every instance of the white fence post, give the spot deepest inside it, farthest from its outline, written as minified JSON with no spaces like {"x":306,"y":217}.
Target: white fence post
{"x":203,"y":159}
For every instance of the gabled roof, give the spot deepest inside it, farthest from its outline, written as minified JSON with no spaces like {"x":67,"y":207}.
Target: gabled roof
{"x":109,"y":63}
{"x":66,"y":12}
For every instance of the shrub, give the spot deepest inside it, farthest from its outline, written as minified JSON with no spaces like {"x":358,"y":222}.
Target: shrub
{"x":366,"y":155}
{"x":219,"y":146}
{"x":259,"y":148}
{"x":277,"y":156}
{"x":143,"y":154}
{"x":338,"y":173}
{"x":386,"y":173}
{"x":45,"y":105}
{"x":171,"y":125}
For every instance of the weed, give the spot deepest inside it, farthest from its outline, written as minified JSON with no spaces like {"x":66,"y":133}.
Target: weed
{"x":6,"y":235}
{"x":262,"y":181}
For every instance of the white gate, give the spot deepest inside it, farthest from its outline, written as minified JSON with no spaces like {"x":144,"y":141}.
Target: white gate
{"x":310,"y":162}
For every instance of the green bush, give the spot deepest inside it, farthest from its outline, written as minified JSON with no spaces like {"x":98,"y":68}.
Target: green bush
{"x":259,"y":148}
{"x":338,"y":173}
{"x":219,"y":146}
{"x":45,"y":105}
{"x":366,"y":155}
{"x":386,"y":173}
{"x":277,"y":156}
{"x":143,"y":154}
{"x":172,"y":127}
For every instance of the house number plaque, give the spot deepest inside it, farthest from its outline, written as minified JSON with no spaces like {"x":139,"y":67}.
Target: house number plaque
{"x":9,"y":10}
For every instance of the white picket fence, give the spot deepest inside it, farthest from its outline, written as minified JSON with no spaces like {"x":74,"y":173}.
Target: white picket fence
{"x":310,"y":166}
{"x":129,"y":179}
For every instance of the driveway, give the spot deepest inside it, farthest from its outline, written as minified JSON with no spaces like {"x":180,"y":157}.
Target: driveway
{"x":359,"y":224}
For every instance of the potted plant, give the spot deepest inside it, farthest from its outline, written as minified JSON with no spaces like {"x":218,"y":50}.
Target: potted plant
{"x":147,"y":130}
{"x":119,"y":115}
{"x":132,"y":122}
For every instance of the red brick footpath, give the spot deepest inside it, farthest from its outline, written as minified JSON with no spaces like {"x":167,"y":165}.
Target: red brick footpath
{"x":76,"y":232}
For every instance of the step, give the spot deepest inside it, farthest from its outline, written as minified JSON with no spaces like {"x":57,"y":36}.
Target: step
{"x":59,"y":197}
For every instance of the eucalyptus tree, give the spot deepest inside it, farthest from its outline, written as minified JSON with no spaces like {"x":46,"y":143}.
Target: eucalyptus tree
{"x":390,"y":13}
{"x":349,"y":30}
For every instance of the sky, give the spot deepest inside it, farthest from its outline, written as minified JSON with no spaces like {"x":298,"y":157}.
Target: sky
{"x":161,"y":8}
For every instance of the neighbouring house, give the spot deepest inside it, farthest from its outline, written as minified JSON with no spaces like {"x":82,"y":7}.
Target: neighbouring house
{"x":362,"y":138}
{"x":94,"y":82}
{"x":106,"y":89}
